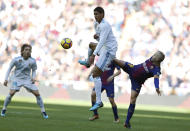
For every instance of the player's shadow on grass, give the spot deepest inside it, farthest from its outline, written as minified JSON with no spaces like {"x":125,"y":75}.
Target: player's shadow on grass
{"x":26,"y":116}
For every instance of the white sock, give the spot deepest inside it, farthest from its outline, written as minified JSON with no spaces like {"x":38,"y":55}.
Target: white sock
{"x":40,"y":103}
{"x":90,"y":51}
{"x":7,"y":101}
{"x":98,"y":88}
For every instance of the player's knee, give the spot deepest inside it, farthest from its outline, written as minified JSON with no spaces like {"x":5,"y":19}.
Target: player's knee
{"x":92,"y":45}
{"x":96,"y":72}
{"x":12,"y":93}
{"x":112,"y":101}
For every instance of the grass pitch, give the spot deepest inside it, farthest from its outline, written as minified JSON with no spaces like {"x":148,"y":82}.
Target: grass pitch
{"x":73,"y":116}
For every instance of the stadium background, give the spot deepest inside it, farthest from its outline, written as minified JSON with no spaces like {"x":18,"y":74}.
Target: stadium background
{"x":141,"y":27}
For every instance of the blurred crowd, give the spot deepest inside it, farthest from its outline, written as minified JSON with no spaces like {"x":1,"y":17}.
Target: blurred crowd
{"x":141,"y":27}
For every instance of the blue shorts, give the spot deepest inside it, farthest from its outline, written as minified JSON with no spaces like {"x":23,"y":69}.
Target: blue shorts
{"x":128,"y":68}
{"x":109,"y":90}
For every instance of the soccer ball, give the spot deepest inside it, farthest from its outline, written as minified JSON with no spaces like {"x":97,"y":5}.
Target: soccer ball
{"x":66,"y":43}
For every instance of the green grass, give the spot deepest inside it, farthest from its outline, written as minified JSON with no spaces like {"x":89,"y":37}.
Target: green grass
{"x":73,"y":116}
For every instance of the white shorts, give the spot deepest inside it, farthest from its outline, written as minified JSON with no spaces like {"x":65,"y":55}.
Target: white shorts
{"x":16,"y":85}
{"x":104,"y":60}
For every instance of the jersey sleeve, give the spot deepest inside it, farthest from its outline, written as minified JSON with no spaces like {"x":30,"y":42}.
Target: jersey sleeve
{"x":11,"y":65}
{"x":103,"y":36}
{"x":156,"y":71}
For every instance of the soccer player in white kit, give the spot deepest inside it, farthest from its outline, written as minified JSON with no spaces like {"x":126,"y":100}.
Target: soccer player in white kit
{"x":106,"y":49}
{"x":22,"y":77}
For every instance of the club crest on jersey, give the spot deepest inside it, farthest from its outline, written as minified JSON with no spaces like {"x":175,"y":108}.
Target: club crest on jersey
{"x":20,"y":61}
{"x":151,"y":67}
{"x":131,"y":65}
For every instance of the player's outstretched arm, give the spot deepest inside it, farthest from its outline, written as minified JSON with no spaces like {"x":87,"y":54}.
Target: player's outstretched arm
{"x":114,"y":75}
{"x":156,"y":83}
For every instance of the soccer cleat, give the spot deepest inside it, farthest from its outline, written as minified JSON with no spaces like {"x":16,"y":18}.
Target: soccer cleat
{"x":127,"y":125}
{"x":45,"y":116}
{"x":85,"y":63}
{"x":116,"y":121}
{"x":94,"y":117}
{"x":3,"y":113}
{"x":96,"y":106}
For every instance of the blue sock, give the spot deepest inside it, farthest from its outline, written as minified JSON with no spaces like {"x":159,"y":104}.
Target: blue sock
{"x":114,"y":108}
{"x":130,"y":112}
{"x":95,"y":111}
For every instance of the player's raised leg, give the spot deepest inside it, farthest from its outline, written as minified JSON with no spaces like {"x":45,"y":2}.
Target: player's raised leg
{"x":40,"y":103}
{"x":120,"y":63}
{"x":91,"y":49}
{"x":93,"y":100}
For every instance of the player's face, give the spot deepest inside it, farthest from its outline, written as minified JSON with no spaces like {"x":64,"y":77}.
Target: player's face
{"x":27,"y":52}
{"x":98,"y":16}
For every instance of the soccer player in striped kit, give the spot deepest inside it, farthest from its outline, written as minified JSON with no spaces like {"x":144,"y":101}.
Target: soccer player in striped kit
{"x":107,"y":79}
{"x":106,"y":49}
{"x":22,"y":77}
{"x":138,"y":74}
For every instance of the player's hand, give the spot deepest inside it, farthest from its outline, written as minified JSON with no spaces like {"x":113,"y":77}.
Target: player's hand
{"x":91,"y":61}
{"x":158,"y":92}
{"x":5,"y":83}
{"x":96,"y":36}
{"x":110,"y":79}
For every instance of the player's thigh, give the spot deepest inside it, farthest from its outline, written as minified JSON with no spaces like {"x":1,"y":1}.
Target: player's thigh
{"x":104,"y":60}
{"x":120,"y":63}
{"x":32,"y":88}
{"x":128,"y":67}
{"x":135,"y":85}
{"x":96,"y":72}
{"x":109,"y":90}
{"x":15,"y":87}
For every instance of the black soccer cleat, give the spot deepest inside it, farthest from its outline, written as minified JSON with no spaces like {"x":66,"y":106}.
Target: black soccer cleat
{"x":127,"y":125}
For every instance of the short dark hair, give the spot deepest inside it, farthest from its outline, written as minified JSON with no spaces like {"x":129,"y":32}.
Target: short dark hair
{"x":99,"y":9}
{"x":24,"y":46}
{"x":163,"y":56}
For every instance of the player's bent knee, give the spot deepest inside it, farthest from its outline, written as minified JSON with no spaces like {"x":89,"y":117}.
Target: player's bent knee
{"x":92,"y":45}
{"x":112,"y":101}
{"x":96,"y":72}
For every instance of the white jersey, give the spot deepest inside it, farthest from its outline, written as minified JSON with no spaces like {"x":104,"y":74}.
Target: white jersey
{"x":106,"y":38}
{"x":23,"y":69}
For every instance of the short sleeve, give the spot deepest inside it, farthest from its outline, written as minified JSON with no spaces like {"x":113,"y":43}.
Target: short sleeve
{"x":156,"y":71}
